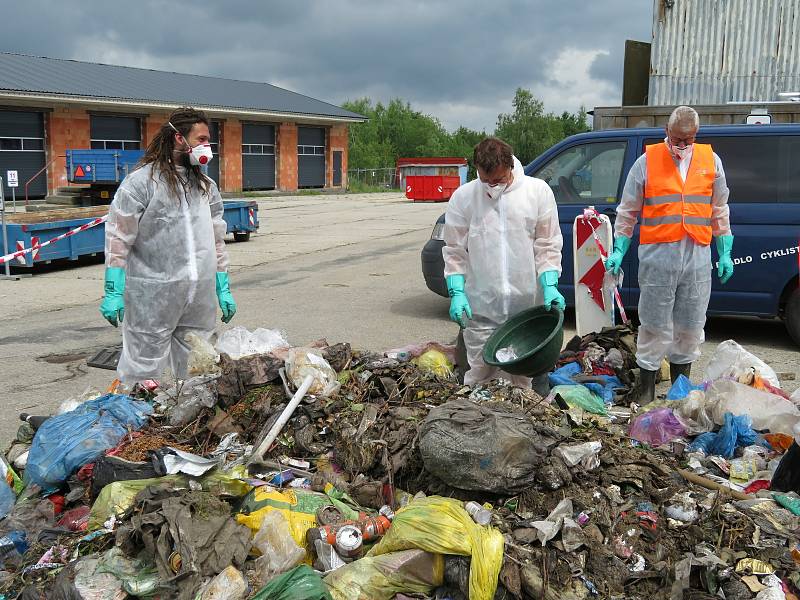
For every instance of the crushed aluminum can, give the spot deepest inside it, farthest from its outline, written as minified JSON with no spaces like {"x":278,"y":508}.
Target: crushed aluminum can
{"x":175,"y":561}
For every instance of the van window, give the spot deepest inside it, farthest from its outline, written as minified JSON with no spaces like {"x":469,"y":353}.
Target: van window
{"x":758,"y":168}
{"x":585,"y":174}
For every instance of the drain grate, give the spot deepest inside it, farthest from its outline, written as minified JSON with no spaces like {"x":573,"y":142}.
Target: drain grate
{"x":107,"y":358}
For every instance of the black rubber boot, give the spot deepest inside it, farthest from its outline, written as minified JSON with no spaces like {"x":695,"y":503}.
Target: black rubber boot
{"x":647,"y":386}
{"x":541,"y":384}
{"x":676,"y":370}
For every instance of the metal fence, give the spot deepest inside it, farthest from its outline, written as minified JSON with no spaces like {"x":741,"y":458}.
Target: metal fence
{"x":382,"y":178}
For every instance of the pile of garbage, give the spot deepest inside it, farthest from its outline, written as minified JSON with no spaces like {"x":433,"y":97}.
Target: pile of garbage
{"x":318,"y":472}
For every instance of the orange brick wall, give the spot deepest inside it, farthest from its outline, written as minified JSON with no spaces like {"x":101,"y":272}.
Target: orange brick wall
{"x":337,"y":141}
{"x":230,"y":166}
{"x":65,"y":128}
{"x":286,"y":150}
{"x":151,"y":126}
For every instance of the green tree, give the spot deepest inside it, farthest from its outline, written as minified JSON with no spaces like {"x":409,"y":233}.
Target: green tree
{"x":531,"y":131}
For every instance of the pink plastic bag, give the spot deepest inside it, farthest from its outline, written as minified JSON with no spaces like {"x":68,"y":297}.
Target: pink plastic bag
{"x":656,"y":427}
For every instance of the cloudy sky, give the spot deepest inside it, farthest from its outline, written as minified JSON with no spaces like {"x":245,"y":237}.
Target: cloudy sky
{"x":459,"y":61}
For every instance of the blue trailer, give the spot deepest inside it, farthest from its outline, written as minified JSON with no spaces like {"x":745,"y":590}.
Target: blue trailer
{"x":26,"y":230}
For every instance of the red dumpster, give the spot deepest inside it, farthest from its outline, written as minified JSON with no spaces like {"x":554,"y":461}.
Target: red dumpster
{"x":431,"y":188}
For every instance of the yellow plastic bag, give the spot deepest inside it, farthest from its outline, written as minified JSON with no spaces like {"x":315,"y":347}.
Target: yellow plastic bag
{"x":442,"y":526}
{"x":382,"y":577}
{"x":298,"y":506}
{"x":434,"y":362}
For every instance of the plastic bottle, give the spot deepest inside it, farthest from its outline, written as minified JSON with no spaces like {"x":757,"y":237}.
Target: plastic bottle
{"x":478,"y":513}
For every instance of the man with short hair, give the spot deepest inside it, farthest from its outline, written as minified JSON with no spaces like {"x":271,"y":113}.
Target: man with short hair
{"x":501,"y":234}
{"x":679,"y":188}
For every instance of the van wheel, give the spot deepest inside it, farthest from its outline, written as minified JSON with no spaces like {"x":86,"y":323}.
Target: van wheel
{"x":792,"y":316}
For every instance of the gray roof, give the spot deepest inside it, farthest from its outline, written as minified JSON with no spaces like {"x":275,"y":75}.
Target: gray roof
{"x":59,"y":77}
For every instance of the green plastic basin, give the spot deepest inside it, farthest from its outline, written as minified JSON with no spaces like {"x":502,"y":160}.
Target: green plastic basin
{"x":536,"y":334}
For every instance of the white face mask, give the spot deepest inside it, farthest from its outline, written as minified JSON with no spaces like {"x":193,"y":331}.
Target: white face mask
{"x":201,"y":155}
{"x":679,"y":153}
{"x":494,"y":191}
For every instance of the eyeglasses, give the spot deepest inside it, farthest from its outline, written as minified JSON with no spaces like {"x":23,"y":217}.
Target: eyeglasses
{"x":681,"y":141}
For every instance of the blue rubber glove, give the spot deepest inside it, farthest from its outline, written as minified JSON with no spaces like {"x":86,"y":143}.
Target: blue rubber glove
{"x":113,"y":305}
{"x":549,"y":281}
{"x":224,"y":297}
{"x":459,"y":304}
{"x":725,"y":265}
{"x":614,"y":260}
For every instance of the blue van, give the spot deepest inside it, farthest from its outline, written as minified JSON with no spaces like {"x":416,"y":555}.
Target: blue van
{"x":762,"y":167}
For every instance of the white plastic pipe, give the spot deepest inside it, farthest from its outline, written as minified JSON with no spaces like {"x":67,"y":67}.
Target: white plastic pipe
{"x":285,"y":416}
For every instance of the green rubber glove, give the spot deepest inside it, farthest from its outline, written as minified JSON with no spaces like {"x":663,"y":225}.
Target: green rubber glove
{"x":459,"y":304}
{"x":725,"y":265}
{"x":549,"y":281}
{"x":113,"y":305}
{"x":614,"y":260}
{"x":224,"y":297}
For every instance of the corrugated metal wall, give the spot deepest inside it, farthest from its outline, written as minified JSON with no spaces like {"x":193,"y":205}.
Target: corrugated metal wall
{"x":718,"y":51}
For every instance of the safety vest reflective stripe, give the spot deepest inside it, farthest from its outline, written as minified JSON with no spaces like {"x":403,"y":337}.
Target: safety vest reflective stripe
{"x":697,"y":199}
{"x":656,"y":200}
{"x":703,"y":221}
{"x":668,"y":220}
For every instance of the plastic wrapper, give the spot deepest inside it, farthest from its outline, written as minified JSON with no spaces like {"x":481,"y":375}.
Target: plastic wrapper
{"x":184,"y":403}
{"x":136,"y":576}
{"x":692,"y":412}
{"x":563,"y":376}
{"x":434,"y":362}
{"x":580,"y":397}
{"x":203,"y":357}
{"x":238,"y":342}
{"x":279,"y":552}
{"x":587,"y":454}
{"x":65,"y":443}
{"x":301,"y":583}
{"x":656,"y":427}
{"x":767,"y":411}
{"x":301,"y":362}
{"x":228,"y":585}
{"x":382,"y":577}
{"x":730,"y":360}
{"x":442,"y":526}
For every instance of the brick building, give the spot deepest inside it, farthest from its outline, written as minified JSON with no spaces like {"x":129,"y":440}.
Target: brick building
{"x":263,"y":136}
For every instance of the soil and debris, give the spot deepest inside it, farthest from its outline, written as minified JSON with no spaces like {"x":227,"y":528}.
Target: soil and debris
{"x":393,"y":447}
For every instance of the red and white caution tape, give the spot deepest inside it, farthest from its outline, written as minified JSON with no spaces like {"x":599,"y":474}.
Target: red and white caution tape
{"x":588,"y":214}
{"x":36,"y":246}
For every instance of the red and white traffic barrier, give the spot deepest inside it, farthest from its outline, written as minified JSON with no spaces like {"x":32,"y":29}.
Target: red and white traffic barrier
{"x":252,"y":216}
{"x":36,"y":246}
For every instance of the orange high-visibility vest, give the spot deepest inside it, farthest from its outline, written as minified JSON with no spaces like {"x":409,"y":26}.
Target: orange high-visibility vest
{"x":672,"y":208}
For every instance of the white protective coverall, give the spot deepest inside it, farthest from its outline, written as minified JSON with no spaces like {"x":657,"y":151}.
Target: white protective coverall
{"x":170,"y":247}
{"x":674,"y":278}
{"x":501,"y":247}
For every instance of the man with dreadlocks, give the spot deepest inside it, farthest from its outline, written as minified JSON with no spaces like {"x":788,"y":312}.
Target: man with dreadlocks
{"x":165,"y":252}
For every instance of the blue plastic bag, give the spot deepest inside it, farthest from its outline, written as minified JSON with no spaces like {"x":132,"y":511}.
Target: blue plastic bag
{"x":737,"y":431}
{"x":65,"y":443}
{"x":7,"y":498}
{"x":681,"y":388}
{"x":565,"y":374}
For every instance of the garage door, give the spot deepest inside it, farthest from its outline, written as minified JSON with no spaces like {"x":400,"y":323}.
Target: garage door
{"x":22,"y":150}
{"x":213,"y":166}
{"x":258,"y":156}
{"x":112,"y":132}
{"x":310,"y":157}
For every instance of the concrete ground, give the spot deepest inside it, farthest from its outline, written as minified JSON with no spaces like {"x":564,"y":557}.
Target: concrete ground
{"x":344,"y":267}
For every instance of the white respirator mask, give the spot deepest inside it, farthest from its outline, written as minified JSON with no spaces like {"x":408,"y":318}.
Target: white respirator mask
{"x":679,"y":153}
{"x":199,"y":155}
{"x":494,"y":191}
